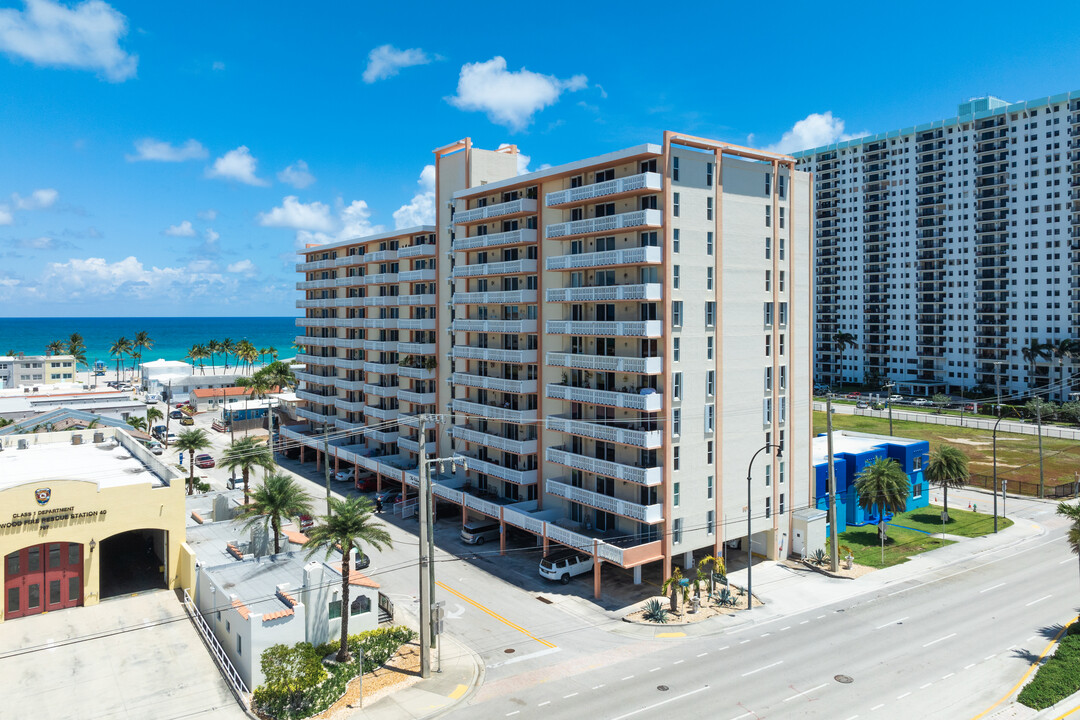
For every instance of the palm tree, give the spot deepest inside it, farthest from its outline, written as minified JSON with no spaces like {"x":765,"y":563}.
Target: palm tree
{"x":884,"y":485}
{"x":213,"y":347}
{"x":201,"y":353}
{"x":1032,"y":354}
{"x":279,"y":498}
{"x":1063,"y":350}
{"x":258,"y":386}
{"x":56,"y":347}
{"x":673,"y":587}
{"x":141,"y":342}
{"x":227,"y":347}
{"x":279,"y":374}
{"x":152,"y":414}
{"x":843,"y":341}
{"x":1072,"y":512}
{"x":193,"y":354}
{"x":77,"y":349}
{"x":715,"y":566}
{"x":1040,"y":409}
{"x":245,"y":455}
{"x":247,"y":352}
{"x":272,"y":352}
{"x":349,"y":525}
{"x":119,"y":349}
{"x":948,"y":468}
{"x":191,"y":441}
{"x":137,"y":422}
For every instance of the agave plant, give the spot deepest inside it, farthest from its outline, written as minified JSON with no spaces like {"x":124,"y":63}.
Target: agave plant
{"x":655,"y":611}
{"x":819,"y":557}
{"x":726,"y":598}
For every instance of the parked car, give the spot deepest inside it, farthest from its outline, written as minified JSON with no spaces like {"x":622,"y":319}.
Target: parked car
{"x":362,"y":561}
{"x":176,"y":414}
{"x":970,"y":407}
{"x":367,"y":482}
{"x":389,"y":497}
{"x":155,"y":447}
{"x":306,"y":522}
{"x":170,"y":439}
{"x":151,"y":399}
{"x":204,"y":461}
{"x":821,"y":389}
{"x":179,"y":405}
{"x":853,"y":396}
{"x":862,"y":405}
{"x":343,"y":476}
{"x":564,"y":565}
{"x":920,"y":401}
{"x":187,"y":420}
{"x":479,"y":532}
{"x":896,"y":398}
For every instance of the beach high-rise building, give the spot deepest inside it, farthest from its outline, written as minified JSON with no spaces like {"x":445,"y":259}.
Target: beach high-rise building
{"x":607,"y":343}
{"x":947,"y":248}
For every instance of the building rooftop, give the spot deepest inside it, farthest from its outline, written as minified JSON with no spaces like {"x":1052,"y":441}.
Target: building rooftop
{"x":845,"y":441}
{"x":51,"y":456}
{"x":403,"y":232}
{"x":226,"y":392}
{"x":67,"y":419}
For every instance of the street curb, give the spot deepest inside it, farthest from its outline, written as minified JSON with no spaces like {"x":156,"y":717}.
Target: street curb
{"x":479,"y":673}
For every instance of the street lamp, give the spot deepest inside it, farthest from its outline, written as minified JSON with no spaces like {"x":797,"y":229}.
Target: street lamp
{"x":997,"y":384}
{"x":995,"y":488}
{"x":749,"y":517}
{"x":888,"y":401}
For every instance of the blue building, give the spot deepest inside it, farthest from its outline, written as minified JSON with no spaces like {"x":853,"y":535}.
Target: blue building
{"x":852,"y":451}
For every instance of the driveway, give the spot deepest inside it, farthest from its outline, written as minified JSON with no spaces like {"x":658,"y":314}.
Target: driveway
{"x":131,"y":658}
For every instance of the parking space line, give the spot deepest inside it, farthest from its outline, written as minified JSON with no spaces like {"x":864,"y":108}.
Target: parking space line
{"x":493,"y":614}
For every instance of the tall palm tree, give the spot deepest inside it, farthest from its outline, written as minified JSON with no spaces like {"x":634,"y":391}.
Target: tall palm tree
{"x":141,"y":342}
{"x":152,"y":414}
{"x":227,"y":346}
{"x":272,"y":352}
{"x":76,"y":347}
{"x":1072,"y":512}
{"x":258,"y":386}
{"x":193,"y":354}
{"x":118,"y":349}
{"x":247,"y":352}
{"x":56,"y":347}
{"x":245,"y":455}
{"x":1063,"y":350}
{"x":884,"y":485}
{"x":213,"y":347}
{"x":349,"y":525}
{"x":279,"y":374}
{"x":1040,"y":409}
{"x":191,"y":441}
{"x":1032,"y":354}
{"x":843,"y":341}
{"x":948,"y":468}
{"x":137,"y":422}
{"x":279,"y":498}
{"x":201,"y":353}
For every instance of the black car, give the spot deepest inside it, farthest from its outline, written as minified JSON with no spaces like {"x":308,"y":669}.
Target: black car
{"x":362,"y":561}
{"x":176,"y":414}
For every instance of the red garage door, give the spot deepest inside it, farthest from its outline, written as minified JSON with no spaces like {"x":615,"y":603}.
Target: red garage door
{"x":40,"y":578}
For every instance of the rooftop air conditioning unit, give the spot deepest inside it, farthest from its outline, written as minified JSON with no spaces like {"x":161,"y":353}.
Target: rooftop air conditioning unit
{"x":23,"y":443}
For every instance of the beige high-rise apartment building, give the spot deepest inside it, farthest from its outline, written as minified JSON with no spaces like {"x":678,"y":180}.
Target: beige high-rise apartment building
{"x":607,"y":343}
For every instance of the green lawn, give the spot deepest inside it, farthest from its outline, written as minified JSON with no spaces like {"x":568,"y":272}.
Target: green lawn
{"x":902,"y":544}
{"x":961,"y":522}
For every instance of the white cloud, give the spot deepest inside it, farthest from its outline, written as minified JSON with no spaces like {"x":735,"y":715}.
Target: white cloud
{"x":38,"y":199}
{"x":236,"y":165}
{"x":210,"y":214}
{"x":815,"y":130}
{"x":6,"y":218}
{"x":421,"y":209}
{"x":210,"y":235}
{"x":42,"y":243}
{"x":163,"y":151}
{"x":299,"y":216}
{"x":84,"y":36}
{"x":509,"y":98}
{"x":184,"y":229}
{"x":354,"y":220}
{"x":296,"y":175}
{"x":243,"y":267}
{"x":386,"y":61}
{"x":96,"y":278}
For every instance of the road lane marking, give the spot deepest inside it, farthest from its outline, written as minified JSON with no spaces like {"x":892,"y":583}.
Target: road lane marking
{"x":654,"y":669}
{"x":946,"y":677}
{"x":724,"y":648}
{"x":785,"y":628}
{"x":662,"y":702}
{"x":702,"y":654}
{"x":892,"y":622}
{"x":819,"y":617}
{"x":994,"y":587}
{"x":804,"y":622}
{"x":766,"y":634}
{"x":762,"y":668}
{"x":510,"y":714}
{"x":796,"y":696}
{"x":1044,"y":597}
{"x":493,"y":614}
{"x":877,"y":707}
{"x":968,"y":667}
{"x":990,"y":657}
{"x":1030,"y":638}
{"x":520,"y":658}
{"x":546,"y":702}
{"x":739,"y":717}
{"x":932,"y":642}
{"x":628,"y":677}
{"x":1065,"y":561}
{"x":565,"y":697}
{"x":898,"y":592}
{"x":852,"y":717}
{"x":923,"y":687}
{"x":597,"y":687}
{"x":677,"y":662}
{"x":901,"y":697}
{"x":744,"y":641}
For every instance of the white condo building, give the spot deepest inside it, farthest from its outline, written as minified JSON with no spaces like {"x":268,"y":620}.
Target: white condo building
{"x":946,"y":248}
{"x":608,"y":342}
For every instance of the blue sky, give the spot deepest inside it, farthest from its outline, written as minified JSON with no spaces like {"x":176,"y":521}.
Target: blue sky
{"x":168,"y":159}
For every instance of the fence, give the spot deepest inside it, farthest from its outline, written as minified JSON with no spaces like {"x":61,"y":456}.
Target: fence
{"x":227,"y":668}
{"x":1018,"y":487}
{"x":978,"y":422}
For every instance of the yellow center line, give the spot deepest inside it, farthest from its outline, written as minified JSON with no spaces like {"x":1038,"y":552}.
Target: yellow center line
{"x":1034,"y":664}
{"x":1059,"y":717}
{"x":493,"y":614}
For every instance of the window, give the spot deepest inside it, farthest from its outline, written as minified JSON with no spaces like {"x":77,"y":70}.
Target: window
{"x":768,"y":281}
{"x":780,"y":192}
{"x":768,"y":216}
{"x":781,"y":344}
{"x":239,"y":644}
{"x":781,"y":218}
{"x":783,"y":377}
{"x":781,"y":245}
{"x":780,"y":505}
{"x":709,"y":348}
{"x":675,"y":168}
{"x":675,"y":352}
{"x":780,"y":474}
{"x":917,"y":462}
{"x":675,"y":240}
{"x":708,"y":209}
{"x":783,"y":409}
{"x":767,"y":411}
{"x":708,"y":243}
{"x":676,"y":531}
{"x":768,"y":248}
{"x":360,"y":605}
{"x":675,"y":204}
{"x":675,"y":276}
{"x":334,"y":610}
{"x":768,"y":507}
{"x":708,"y":174}
{"x":768,"y":306}
{"x":768,"y":184}
{"x":710,"y":381}
{"x":675,"y":458}
{"x":768,"y":379}
{"x":782,"y":273}
{"x":710,"y":419}
{"x":676,"y":385}
{"x":708,"y":278}
{"x":783,"y":313}
{"x":768,"y":345}
{"x":676,"y":422}
{"x":916,"y":490}
{"x":710,"y":313}
{"x":710,"y":521}
{"x":768,"y":474}
{"x":676,"y":313}
{"x":709,"y":482}
{"x":675,"y":494}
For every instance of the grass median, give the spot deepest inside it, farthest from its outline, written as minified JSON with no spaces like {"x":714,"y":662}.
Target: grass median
{"x":1058,"y":678}
{"x":961,"y":522}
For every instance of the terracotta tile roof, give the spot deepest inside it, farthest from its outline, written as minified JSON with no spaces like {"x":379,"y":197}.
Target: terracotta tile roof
{"x":242,"y":609}
{"x":277,"y":615}
{"x":287,"y":598}
{"x":228,"y":392}
{"x":197,"y":517}
{"x":358,"y":578}
{"x":295,"y":537}
{"x":234,"y":551}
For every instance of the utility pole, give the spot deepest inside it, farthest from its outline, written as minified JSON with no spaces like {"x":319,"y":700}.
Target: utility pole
{"x":1038,"y":419}
{"x":167,"y":414}
{"x":834,"y":541}
{"x":326,"y":462}
{"x":997,"y":385}
{"x":888,"y":401}
{"x":425,"y":558}
{"x":431,"y":543}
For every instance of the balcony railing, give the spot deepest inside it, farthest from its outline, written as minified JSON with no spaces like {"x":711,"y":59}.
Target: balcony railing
{"x":606,"y":293}
{"x":411,"y":251}
{"x":510,"y":237}
{"x":382,"y":414}
{"x":622,"y":221}
{"x":494,"y":383}
{"x":414,"y":323}
{"x":324,"y":322}
{"x":633,"y":328}
{"x":494,"y":354}
{"x":518,"y":477}
{"x":650,"y":255}
{"x":642,"y":513}
{"x":416,"y":373}
{"x":509,"y":267}
{"x":493,"y":412}
{"x":514,"y":327}
{"x":503,"y":297}
{"x":350,"y":405}
{"x":421,"y":275}
{"x":608,"y":363}
{"x":381,"y":390}
{"x":410,"y":348}
{"x":414,"y":445}
{"x":619,"y":433}
{"x":521,"y":447}
{"x":514,"y":207}
{"x":632,"y":183}
{"x":381,"y":368}
{"x":652,"y":402}
{"x":619,"y":471}
{"x":428,"y":398}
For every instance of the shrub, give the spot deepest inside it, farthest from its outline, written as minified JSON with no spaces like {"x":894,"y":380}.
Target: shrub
{"x":819,"y":557}
{"x":655,"y":612}
{"x":1058,"y":678}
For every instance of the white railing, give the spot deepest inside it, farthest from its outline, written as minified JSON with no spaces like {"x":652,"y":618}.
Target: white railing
{"x":428,"y":398}
{"x":570,"y":538}
{"x":631,"y":183}
{"x":607,"y":468}
{"x":350,"y":405}
{"x":415,"y":323}
{"x":622,"y":221}
{"x":315,"y":417}
{"x":446,"y":492}
{"x":316,"y":397}
{"x":521,"y":205}
{"x":494,"y":326}
{"x":388,"y":414}
{"x":348,"y":384}
{"x":411,"y":251}
{"x":381,"y":390}
{"x":417,"y":373}
{"x":650,"y":255}
{"x":411,"y":348}
{"x":381,"y":368}
{"x":320,"y":284}
{"x":649,"y":291}
{"x":610,"y":552}
{"x":386,"y":436}
{"x":645,"y":366}
{"x":374,"y":279}
{"x":494,"y":354}
{"x":324,"y":322}
{"x":518,"y":477}
{"x":649,"y":439}
{"x":418,"y":299}
{"x":509,"y":267}
{"x":378,"y":256}
{"x":510,"y":237}
{"x":320,"y":303}
{"x":494,"y":383}
{"x":521,"y":447}
{"x":414,"y":445}
{"x":503,"y":297}
{"x":379,"y":300}
{"x":495,"y":413}
{"x":319,"y":341}
{"x":483,"y":506}
{"x":648,"y":403}
{"x":227,"y":669}
{"x":641,"y":513}
{"x":634,"y":328}
{"x":313,"y":378}
{"x":316,"y":359}
{"x":421,"y":275}
{"x":524,"y":521}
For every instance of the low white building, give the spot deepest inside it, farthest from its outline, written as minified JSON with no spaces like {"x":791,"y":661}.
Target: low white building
{"x":22,"y":403}
{"x":30,"y":370}
{"x":176,"y":380}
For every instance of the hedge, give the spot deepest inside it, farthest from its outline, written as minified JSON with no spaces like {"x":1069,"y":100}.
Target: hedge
{"x":298,"y":683}
{"x":1059,"y":677}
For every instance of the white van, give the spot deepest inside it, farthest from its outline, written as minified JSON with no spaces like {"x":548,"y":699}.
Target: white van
{"x":564,"y":565}
{"x":478,"y":532}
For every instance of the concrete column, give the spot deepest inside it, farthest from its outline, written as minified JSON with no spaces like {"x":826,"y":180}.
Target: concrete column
{"x":637,"y":575}
{"x":688,"y":560}
{"x":337,"y":463}
{"x":302,"y":453}
{"x":596,"y":571}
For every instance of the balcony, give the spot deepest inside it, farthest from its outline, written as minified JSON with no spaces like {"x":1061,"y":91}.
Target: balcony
{"x":381,"y":413}
{"x":493,"y":354}
{"x":503,"y":297}
{"x":414,"y":323}
{"x":414,"y":348}
{"x":616,"y":433}
{"x":321,"y":398}
{"x":320,"y":284}
{"x":653,"y":402}
{"x":313,"y":378}
{"x":638,"y":328}
{"x":316,"y":417}
{"x":622,"y":221}
{"x":468,"y":434}
{"x":349,"y":405}
{"x":416,"y":373}
{"x":381,"y":368}
{"x":518,"y":477}
{"x":428,"y":398}
{"x":512,"y":327}
{"x":344,"y":384}
{"x":381,"y":390}
{"x":642,"y":513}
{"x":494,"y":383}
{"x":414,"y":445}
{"x":510,"y":267}
{"x":422,"y":275}
{"x":383,"y":436}
{"x":494,"y":413}
{"x":642,"y":182}
{"x":609,"y":258}
{"x":606,"y":293}
{"x":375,"y":279}
{"x":316,"y":359}
{"x":413,"y":251}
{"x":642,"y":476}
{"x":514,"y":207}
{"x":324,"y":322}
{"x":608,"y":363}
{"x":510,"y":237}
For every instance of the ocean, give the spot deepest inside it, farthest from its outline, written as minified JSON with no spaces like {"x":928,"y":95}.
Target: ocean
{"x":172,"y":336}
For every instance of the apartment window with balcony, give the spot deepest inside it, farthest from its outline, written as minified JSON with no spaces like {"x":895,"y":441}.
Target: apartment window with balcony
{"x":709,"y":208}
{"x":768,"y":216}
{"x":675,"y":458}
{"x":650,"y":239}
{"x":675,"y":494}
{"x":710,"y":382}
{"x":577,"y":181}
{"x":768,"y":184}
{"x":675,"y":240}
{"x":781,"y":218}
{"x":768,"y":379}
{"x":675,"y":276}
{"x":676,"y":386}
{"x":708,"y":174}
{"x":710,"y":313}
{"x":676,"y":422}
{"x":676,"y":313}
{"x":709,"y":348}
{"x":648,"y":166}
{"x":709,"y":243}
{"x":710,"y":418}
{"x":675,"y":168}
{"x":675,"y":351}
{"x":709,"y":483}
{"x":708,"y":278}
{"x":605,"y":209}
{"x":768,"y":507}
{"x":768,"y":306}
{"x":605,"y":175}
{"x":676,"y":531}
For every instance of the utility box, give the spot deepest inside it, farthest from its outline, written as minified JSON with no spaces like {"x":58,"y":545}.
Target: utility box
{"x":808,"y":526}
